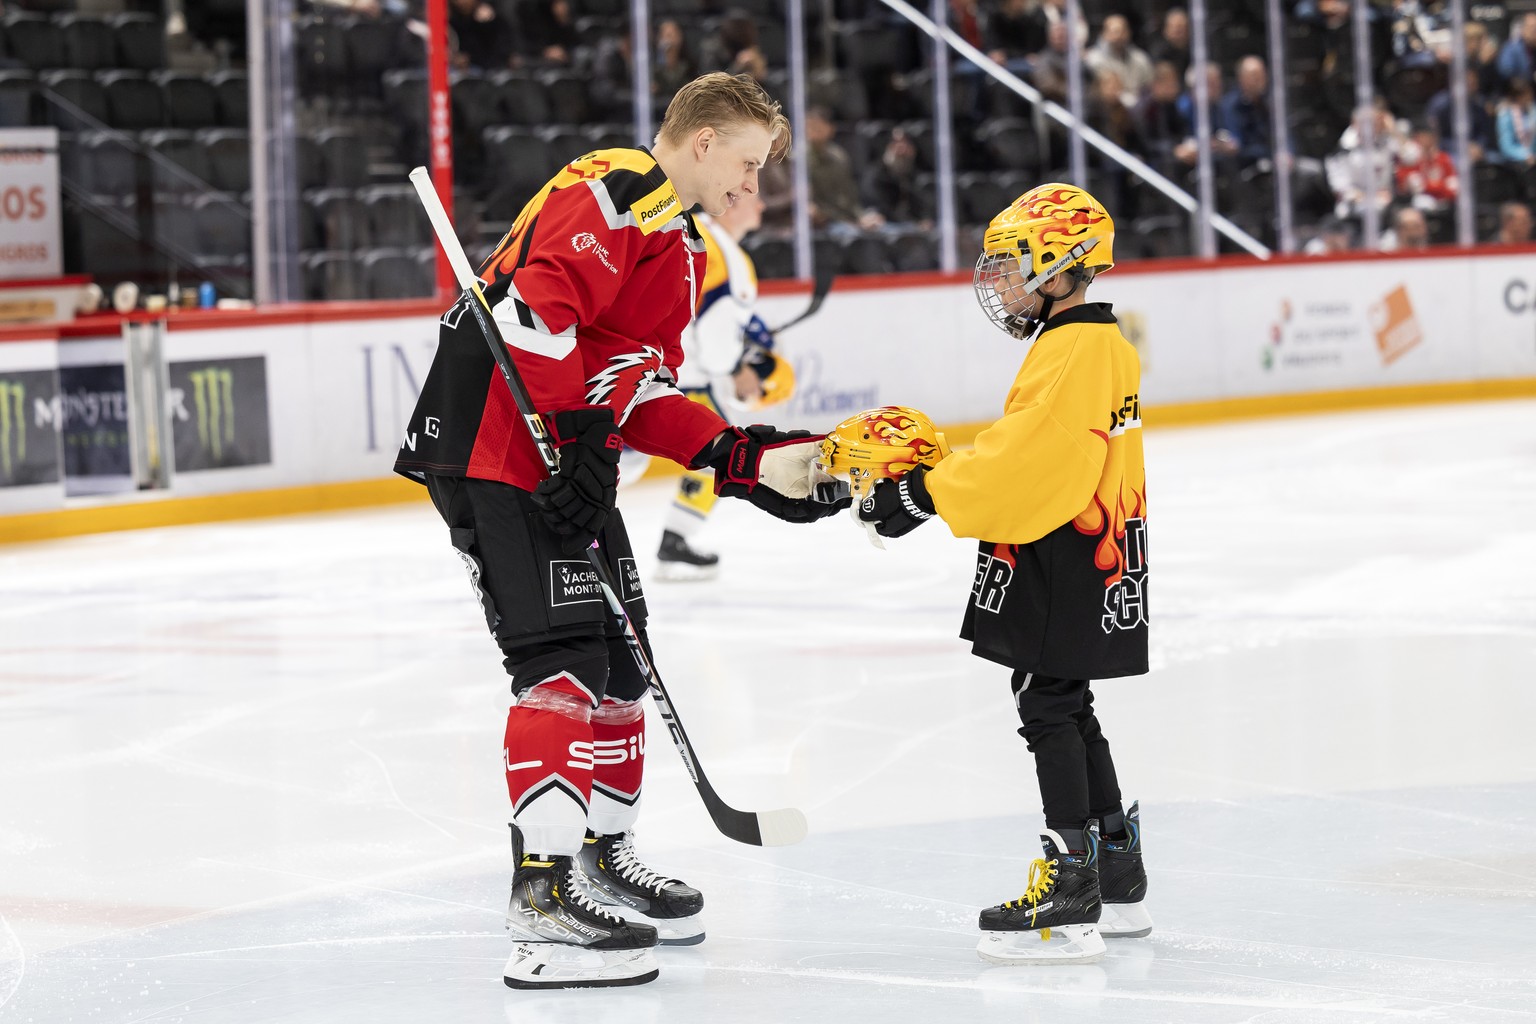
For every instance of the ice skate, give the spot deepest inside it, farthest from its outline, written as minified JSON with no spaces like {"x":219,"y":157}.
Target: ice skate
{"x":675,"y":560}
{"x":561,"y":939}
{"x":1123,"y":883}
{"x":1056,"y":920}
{"x":615,"y":876}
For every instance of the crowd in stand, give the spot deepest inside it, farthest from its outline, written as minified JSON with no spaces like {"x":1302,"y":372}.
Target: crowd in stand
{"x":537,"y":81}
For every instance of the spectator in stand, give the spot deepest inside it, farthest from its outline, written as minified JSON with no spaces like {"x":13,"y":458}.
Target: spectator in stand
{"x":1426,"y":175}
{"x":1483,"y":58}
{"x":777,"y":190}
{"x":1409,"y":231}
{"x":1516,"y":121}
{"x":1172,"y":43}
{"x":549,"y":32}
{"x":482,"y":37}
{"x":1334,"y":235}
{"x":1223,"y":145}
{"x":1106,"y":112}
{"x":734,"y":47}
{"x":1115,"y":52}
{"x":1245,"y":112}
{"x":1481,"y":135}
{"x":1055,"y":12}
{"x":890,"y":185}
{"x":1013,"y":32}
{"x":834,"y":192}
{"x":1514,"y":224}
{"x":1355,"y":174}
{"x":965,"y":19}
{"x":674,"y":63}
{"x":1517,"y":58}
{"x":1163,"y":128}
{"x":1048,"y":68}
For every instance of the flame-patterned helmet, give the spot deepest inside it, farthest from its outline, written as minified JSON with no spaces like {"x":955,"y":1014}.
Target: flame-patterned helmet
{"x":1048,"y":230}
{"x":881,"y":443}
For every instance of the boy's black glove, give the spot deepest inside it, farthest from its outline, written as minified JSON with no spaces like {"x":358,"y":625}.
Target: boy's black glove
{"x":576,"y":500}
{"x":776,"y":471}
{"x":898,"y":506}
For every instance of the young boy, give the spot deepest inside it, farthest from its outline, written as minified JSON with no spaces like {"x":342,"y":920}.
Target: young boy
{"x":1056,"y":492}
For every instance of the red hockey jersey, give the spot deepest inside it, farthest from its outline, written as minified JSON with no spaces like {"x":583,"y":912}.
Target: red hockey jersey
{"x":592,"y":289}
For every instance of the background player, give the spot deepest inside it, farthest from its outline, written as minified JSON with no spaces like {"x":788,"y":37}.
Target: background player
{"x":729,"y":365}
{"x":1055,"y":491}
{"x":592,"y":288}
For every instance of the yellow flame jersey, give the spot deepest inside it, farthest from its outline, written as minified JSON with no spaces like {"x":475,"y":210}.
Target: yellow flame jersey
{"x":1056,"y":491}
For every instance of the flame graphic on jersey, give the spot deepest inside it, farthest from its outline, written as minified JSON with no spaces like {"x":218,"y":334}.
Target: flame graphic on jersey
{"x":603,"y":383}
{"x":1096,"y":521}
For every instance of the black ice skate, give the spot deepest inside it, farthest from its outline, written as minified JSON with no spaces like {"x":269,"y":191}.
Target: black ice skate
{"x":1056,"y":920}
{"x":614,"y":875}
{"x":1123,"y":883}
{"x":677,"y":561}
{"x":561,"y":939}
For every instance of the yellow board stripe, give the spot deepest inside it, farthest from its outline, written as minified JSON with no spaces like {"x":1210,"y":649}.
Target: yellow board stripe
{"x":142,"y":512}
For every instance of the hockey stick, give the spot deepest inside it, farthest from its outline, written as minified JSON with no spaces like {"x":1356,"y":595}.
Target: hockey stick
{"x":781,"y":827}
{"x":822,"y":284}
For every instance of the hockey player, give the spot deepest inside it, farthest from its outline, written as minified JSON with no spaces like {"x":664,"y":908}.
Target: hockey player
{"x":729,"y":366}
{"x":1056,"y":492}
{"x":592,"y":288}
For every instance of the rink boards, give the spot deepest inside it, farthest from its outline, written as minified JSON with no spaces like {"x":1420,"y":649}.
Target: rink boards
{"x":304,"y":408}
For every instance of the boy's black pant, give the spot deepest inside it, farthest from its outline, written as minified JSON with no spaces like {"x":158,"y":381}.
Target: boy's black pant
{"x":1076,"y":772}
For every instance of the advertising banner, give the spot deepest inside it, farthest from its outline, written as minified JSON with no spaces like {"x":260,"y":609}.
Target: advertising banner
{"x":29,"y":203}
{"x":95,"y":429}
{"x":29,"y":427}
{"x":219,"y":413}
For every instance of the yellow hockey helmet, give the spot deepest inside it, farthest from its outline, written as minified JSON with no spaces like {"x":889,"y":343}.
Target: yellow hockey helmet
{"x":775,"y":375}
{"x":881,"y":443}
{"x":1051,"y":229}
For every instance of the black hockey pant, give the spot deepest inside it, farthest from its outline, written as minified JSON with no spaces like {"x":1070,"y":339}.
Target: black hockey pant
{"x":1072,"y":761}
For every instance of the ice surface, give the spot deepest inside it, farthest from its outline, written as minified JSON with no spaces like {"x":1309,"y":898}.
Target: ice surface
{"x":249,"y":771}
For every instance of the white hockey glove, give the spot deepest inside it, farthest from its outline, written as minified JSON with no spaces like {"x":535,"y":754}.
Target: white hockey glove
{"x":776,"y":471}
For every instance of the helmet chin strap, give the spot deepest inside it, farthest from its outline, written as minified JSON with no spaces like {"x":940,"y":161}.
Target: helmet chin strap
{"x":1033,"y":322}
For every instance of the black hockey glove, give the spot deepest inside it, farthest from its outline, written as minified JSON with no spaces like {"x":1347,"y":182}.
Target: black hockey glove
{"x":898,"y":506}
{"x":576,"y":500}
{"x":775,"y":470}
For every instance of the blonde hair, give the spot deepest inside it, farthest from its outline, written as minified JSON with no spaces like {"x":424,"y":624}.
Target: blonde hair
{"x":722,"y":102}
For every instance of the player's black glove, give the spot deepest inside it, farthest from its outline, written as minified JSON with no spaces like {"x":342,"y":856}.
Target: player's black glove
{"x":576,"y":500}
{"x":776,"y":471}
{"x":898,"y":506}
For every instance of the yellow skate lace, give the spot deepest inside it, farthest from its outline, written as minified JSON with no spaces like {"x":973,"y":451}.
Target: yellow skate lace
{"x":1042,"y":874}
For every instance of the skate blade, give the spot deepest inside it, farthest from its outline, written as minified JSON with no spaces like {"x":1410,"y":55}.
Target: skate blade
{"x":537,"y":965}
{"x":1125,"y":921}
{"x":1067,"y":944}
{"x":682,"y":931}
{"x":682,"y":572}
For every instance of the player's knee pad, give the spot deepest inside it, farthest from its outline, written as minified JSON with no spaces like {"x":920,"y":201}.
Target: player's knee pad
{"x":618,"y":765}
{"x":696,"y":492}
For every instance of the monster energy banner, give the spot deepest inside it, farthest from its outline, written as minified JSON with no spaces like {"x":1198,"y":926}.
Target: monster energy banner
{"x":219,"y":413}
{"x":95,"y":429}
{"x":29,"y":427}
